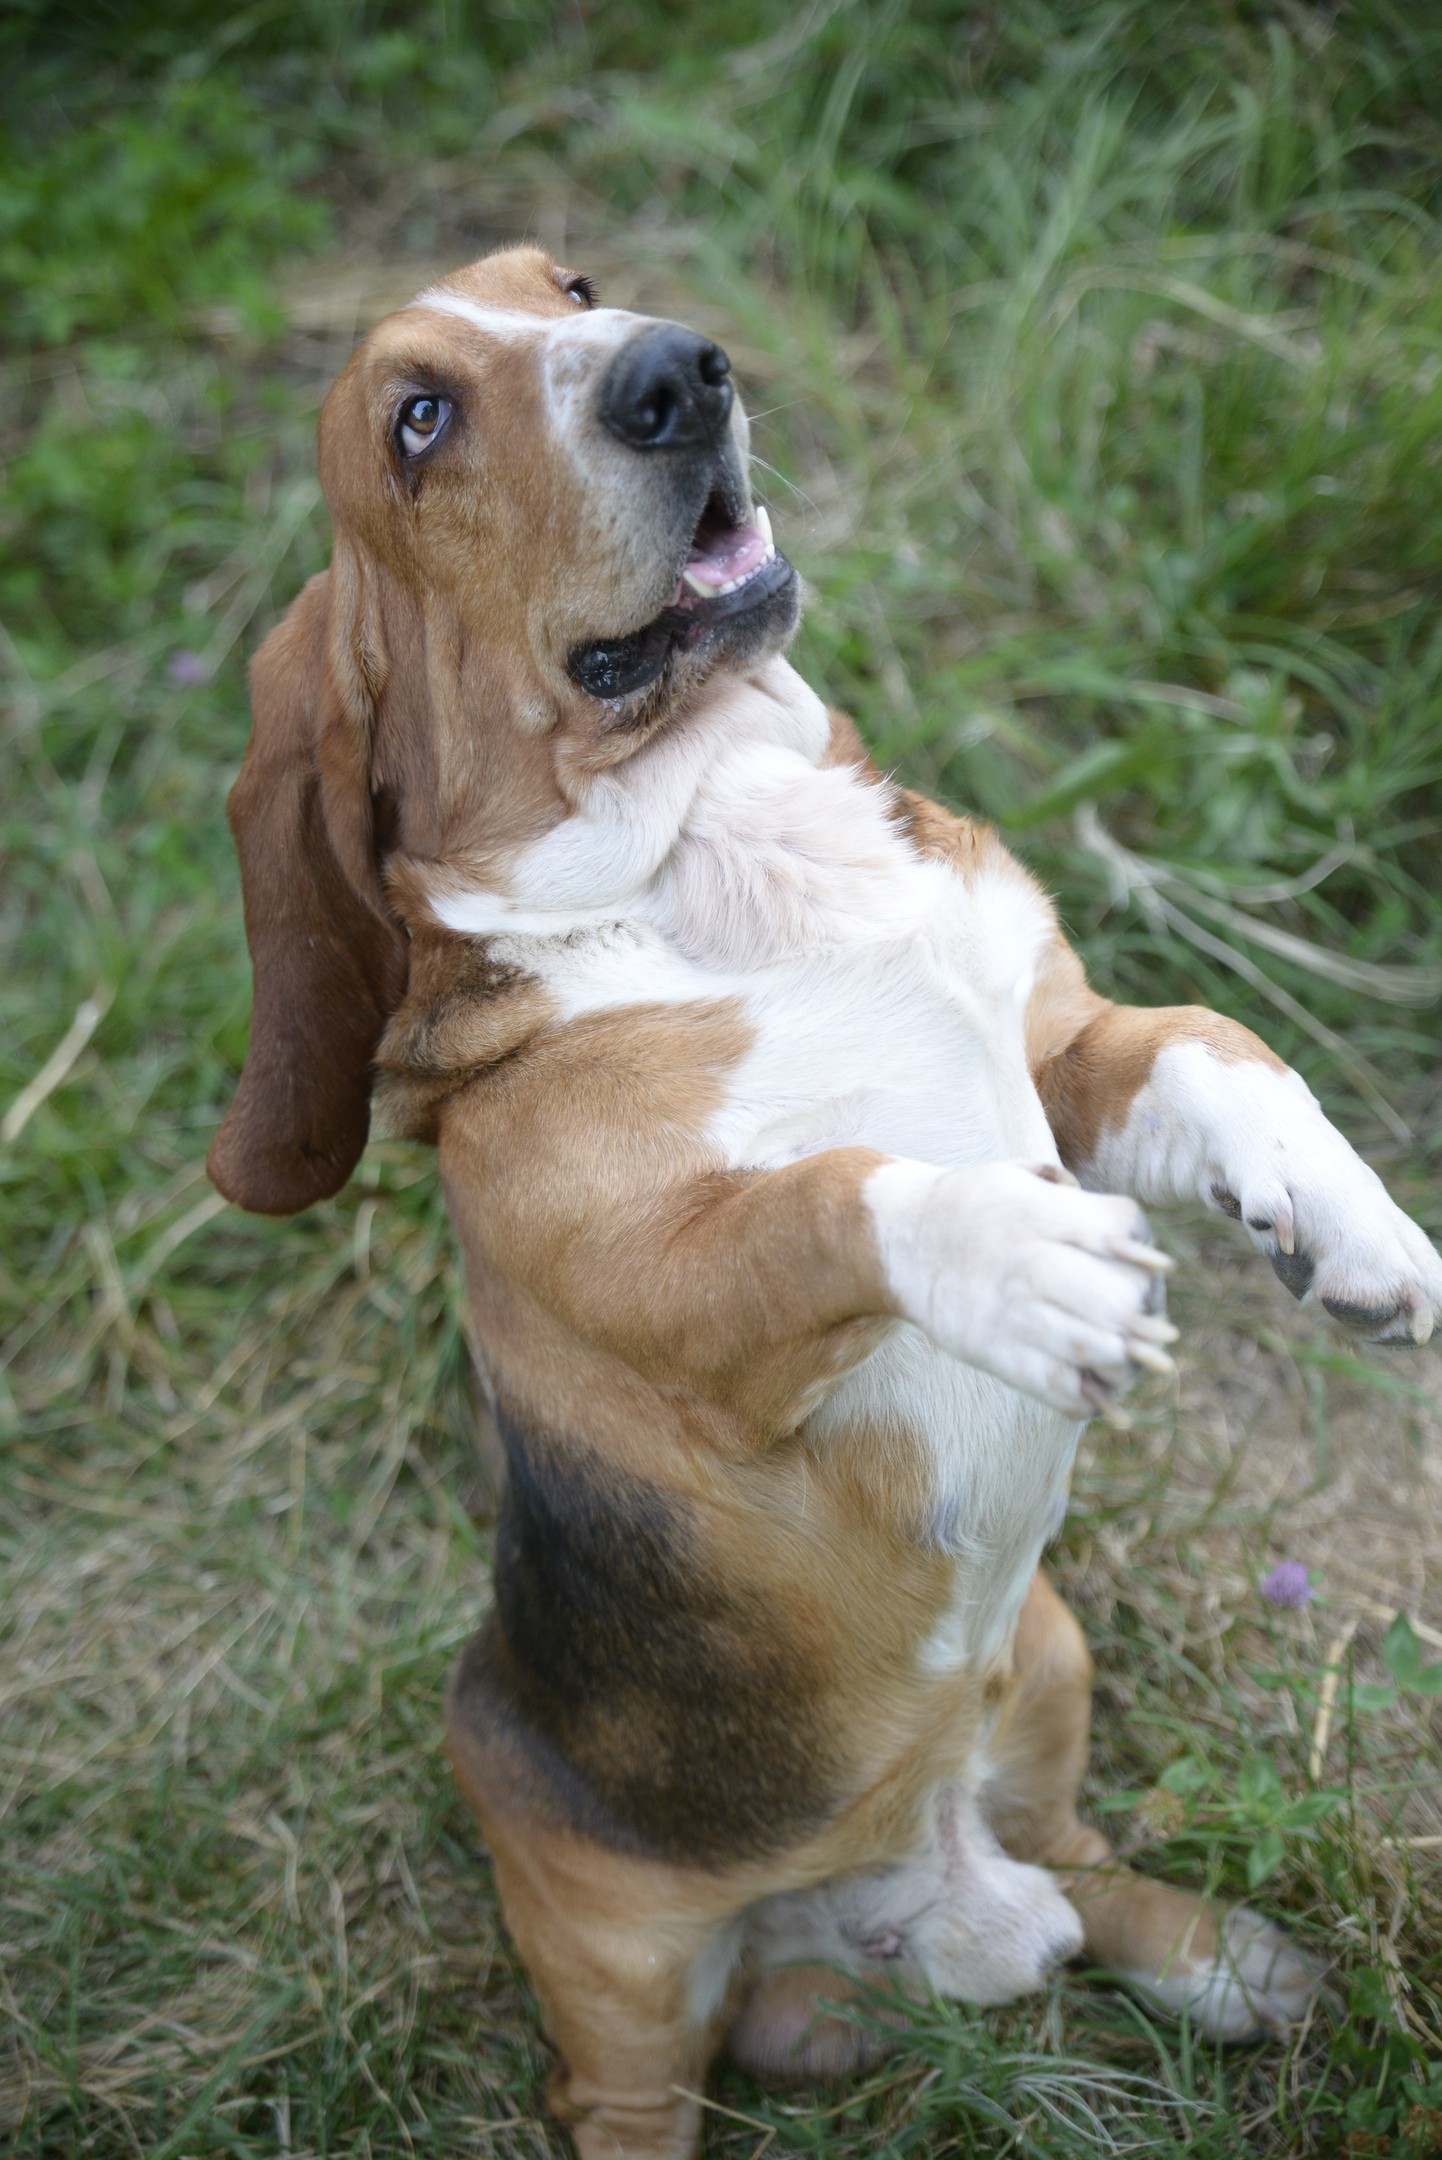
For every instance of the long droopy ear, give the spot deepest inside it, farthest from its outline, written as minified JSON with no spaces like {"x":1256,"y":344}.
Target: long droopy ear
{"x":329,"y":961}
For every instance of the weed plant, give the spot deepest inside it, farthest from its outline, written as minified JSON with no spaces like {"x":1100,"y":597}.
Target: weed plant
{"x":1096,"y":353}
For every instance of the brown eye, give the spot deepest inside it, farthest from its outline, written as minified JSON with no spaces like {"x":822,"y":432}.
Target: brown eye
{"x":418,"y":423}
{"x":582,"y":291}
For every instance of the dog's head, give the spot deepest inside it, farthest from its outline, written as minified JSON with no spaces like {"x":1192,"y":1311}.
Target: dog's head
{"x":545,"y":550}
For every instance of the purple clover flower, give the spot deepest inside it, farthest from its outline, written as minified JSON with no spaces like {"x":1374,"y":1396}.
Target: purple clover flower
{"x":186,"y":670}
{"x":1287,"y":1585}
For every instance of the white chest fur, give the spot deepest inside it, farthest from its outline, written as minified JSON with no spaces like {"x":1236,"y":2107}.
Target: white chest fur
{"x":886,"y":997}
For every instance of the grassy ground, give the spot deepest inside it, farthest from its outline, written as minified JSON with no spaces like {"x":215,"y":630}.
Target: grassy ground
{"x":1097,"y":354}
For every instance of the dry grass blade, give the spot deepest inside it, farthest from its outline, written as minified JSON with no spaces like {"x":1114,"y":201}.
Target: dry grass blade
{"x":57,"y":1067}
{"x":1135,"y":879}
{"x":1332,"y":1665}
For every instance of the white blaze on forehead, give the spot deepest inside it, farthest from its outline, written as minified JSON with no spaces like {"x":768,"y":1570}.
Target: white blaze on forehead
{"x":587,"y":327}
{"x":498,"y":321}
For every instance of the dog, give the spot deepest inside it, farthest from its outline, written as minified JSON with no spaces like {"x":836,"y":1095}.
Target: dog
{"x":798,"y":1173}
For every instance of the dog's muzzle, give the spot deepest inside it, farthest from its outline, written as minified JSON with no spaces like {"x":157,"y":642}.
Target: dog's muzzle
{"x":669,"y":391}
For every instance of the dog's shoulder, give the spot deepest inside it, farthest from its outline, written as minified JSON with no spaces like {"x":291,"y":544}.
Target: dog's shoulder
{"x":969,"y":845}
{"x":465,"y":1010}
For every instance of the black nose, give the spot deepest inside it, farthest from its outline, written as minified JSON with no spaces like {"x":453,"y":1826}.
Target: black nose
{"x":667,"y":390}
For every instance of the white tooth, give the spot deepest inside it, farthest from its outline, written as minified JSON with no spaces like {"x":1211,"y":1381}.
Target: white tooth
{"x":763,"y":522}
{"x":707,"y":591}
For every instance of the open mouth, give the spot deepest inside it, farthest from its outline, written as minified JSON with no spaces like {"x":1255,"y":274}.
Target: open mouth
{"x":722,"y":561}
{"x":729,"y":570}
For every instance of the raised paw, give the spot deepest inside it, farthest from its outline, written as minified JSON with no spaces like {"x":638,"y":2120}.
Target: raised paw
{"x":1333,"y":1233}
{"x":1016,"y":1270}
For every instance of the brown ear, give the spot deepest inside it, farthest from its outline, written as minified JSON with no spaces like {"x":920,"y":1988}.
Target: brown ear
{"x":329,"y":962}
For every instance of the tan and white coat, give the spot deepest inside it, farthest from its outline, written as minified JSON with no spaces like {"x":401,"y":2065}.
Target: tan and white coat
{"x":796,"y":1169}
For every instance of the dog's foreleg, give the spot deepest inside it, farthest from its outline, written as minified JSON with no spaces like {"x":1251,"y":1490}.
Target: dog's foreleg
{"x":1181,"y":1103}
{"x":1017,"y":1271}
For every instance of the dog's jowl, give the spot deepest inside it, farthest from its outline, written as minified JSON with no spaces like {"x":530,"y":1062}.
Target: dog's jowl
{"x":797,"y":1170}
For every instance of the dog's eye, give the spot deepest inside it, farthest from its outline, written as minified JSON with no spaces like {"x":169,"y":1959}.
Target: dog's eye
{"x":418,"y":423}
{"x":582,"y":290}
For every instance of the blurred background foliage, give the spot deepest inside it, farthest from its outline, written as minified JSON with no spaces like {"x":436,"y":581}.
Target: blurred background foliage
{"x":1096,"y":350}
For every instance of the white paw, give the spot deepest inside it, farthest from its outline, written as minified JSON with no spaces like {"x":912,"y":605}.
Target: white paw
{"x":1260,"y":1981}
{"x":972,"y":1922}
{"x":1018,"y":1271}
{"x":1325,"y":1220}
{"x":997,"y":1935}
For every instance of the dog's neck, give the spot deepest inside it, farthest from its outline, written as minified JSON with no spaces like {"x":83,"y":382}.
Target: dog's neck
{"x":730,"y":833}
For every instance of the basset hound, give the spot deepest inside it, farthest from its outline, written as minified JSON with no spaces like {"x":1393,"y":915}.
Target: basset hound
{"x":797,"y":1171}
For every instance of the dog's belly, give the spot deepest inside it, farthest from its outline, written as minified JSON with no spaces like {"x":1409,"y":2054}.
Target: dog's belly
{"x":884,"y":995}
{"x":887,"y":1047}
{"x":998,"y":1467}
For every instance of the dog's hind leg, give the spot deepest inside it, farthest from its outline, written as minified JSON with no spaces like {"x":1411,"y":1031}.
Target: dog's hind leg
{"x":1234,"y":1972}
{"x":633,"y":1965}
{"x":632,"y":1979}
{"x":1038,"y":1755}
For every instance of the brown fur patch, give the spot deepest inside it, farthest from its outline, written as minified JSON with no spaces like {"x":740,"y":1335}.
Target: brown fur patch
{"x":966,"y":843}
{"x":463,"y":1012}
{"x":1089,"y":1086}
{"x":845,"y":747}
{"x":581,"y":1177}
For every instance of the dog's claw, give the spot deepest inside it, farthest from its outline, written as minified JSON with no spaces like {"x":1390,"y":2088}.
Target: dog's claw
{"x":1143,"y":1256}
{"x":1145,"y":1353}
{"x":1109,"y":1411}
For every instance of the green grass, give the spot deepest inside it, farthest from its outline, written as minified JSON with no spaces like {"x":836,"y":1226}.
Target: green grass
{"x":1095,"y":354}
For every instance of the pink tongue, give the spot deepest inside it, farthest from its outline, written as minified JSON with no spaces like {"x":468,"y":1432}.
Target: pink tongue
{"x":731,"y":555}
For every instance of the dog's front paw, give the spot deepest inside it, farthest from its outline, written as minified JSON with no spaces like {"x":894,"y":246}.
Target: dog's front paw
{"x":1333,"y":1233}
{"x":1018,"y":1271}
